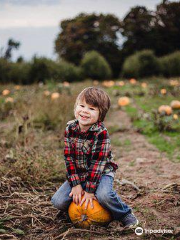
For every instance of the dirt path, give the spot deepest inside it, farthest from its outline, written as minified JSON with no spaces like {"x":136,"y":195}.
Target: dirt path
{"x":157,"y":202}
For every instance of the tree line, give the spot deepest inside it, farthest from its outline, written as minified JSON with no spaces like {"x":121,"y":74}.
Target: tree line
{"x":140,"y":29}
{"x":90,"y":43}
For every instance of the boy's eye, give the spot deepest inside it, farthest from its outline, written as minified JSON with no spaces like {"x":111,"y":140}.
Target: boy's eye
{"x":92,"y":108}
{"x":81,"y":105}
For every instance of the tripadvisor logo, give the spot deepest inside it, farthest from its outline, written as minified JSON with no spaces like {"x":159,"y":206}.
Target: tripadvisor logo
{"x":139,"y":231}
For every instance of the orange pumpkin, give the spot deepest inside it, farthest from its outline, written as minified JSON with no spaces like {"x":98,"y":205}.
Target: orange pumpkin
{"x":9,"y":99}
{"x":46,"y":93}
{"x":66,"y":84}
{"x":108,"y":83}
{"x":144,"y":85}
{"x":133,"y":81}
{"x":121,"y":83}
{"x":175,"y":117}
{"x":163,"y":91}
{"x":95,"y":82}
{"x":174,"y":82}
{"x":165,"y":109}
{"x":17,"y":87}
{"x":5,"y":92}
{"x":175,"y":104}
{"x":123,"y":101}
{"x":55,"y":95}
{"x":83,"y":218}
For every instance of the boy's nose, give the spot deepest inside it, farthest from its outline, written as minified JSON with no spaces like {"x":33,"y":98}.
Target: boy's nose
{"x":85,"y":110}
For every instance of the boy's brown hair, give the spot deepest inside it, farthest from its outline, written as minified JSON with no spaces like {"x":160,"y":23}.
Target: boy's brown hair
{"x":97,"y":98}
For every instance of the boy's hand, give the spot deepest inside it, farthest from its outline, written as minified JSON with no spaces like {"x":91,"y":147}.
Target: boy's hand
{"x":88,"y":197}
{"x":76,"y":193}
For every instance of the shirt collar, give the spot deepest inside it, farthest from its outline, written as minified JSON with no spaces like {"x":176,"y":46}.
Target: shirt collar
{"x":95,"y":127}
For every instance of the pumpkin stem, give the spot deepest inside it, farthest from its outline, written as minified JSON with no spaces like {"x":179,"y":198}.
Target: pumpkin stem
{"x":84,"y":217}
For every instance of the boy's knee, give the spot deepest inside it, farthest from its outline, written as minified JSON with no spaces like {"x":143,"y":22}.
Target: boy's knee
{"x":58,"y":203}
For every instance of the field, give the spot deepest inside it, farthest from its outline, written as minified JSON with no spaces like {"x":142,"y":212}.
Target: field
{"x":145,"y":143}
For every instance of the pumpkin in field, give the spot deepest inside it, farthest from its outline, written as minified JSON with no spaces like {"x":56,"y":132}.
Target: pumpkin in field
{"x":95,"y":82}
{"x":46,"y":93}
{"x":144,"y":85}
{"x":108,"y":83}
{"x":175,"y":104}
{"x":9,"y":99}
{"x":163,"y":91}
{"x":121,"y":83}
{"x":17,"y":87}
{"x":66,"y":84}
{"x":83,"y":218}
{"x":55,"y":95}
{"x":174,"y":82}
{"x":165,"y":109}
{"x":133,"y":81}
{"x":123,"y":101}
{"x":5,"y":92}
{"x":175,"y":117}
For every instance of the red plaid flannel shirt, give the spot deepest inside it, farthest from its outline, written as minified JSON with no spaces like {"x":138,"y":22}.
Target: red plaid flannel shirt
{"x":87,"y":154}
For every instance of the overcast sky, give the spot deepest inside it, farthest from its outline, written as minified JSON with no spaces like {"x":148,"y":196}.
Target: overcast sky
{"x":35,"y":23}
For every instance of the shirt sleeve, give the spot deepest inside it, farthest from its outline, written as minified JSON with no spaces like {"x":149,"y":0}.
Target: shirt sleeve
{"x":100,"y":151}
{"x":69,"y":156}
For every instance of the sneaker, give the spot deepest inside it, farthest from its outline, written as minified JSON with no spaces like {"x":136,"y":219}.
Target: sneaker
{"x":130,"y":221}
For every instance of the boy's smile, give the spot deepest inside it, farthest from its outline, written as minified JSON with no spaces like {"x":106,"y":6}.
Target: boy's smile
{"x":86,"y":114}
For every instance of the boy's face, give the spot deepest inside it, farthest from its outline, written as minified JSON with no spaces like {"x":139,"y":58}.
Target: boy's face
{"x":86,"y":114}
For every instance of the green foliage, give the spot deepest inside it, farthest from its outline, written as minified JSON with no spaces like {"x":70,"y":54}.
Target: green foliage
{"x":5,"y":68}
{"x":141,"y":64}
{"x":39,"y":70}
{"x":68,"y":72}
{"x":14,"y":72}
{"x":95,"y":66}
{"x":10,"y":46}
{"x":19,"y":73}
{"x":42,"y":69}
{"x":170,"y":65}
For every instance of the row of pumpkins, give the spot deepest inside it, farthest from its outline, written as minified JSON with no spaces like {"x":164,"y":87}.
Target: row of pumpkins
{"x":133,"y":81}
{"x":6,"y":92}
{"x":175,"y":104}
{"x":54,"y":96}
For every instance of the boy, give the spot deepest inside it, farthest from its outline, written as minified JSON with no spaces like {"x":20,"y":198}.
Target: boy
{"x":89,"y":162}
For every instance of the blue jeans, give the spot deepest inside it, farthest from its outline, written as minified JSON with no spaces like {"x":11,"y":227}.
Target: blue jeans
{"x":105,"y":194}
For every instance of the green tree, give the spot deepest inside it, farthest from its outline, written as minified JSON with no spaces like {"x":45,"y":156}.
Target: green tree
{"x":89,"y":32}
{"x":10,"y":46}
{"x":167,"y":28}
{"x":156,"y":30}
{"x":138,"y":30}
{"x":95,"y":66}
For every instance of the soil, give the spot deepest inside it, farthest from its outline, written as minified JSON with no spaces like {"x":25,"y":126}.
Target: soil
{"x":146,"y":180}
